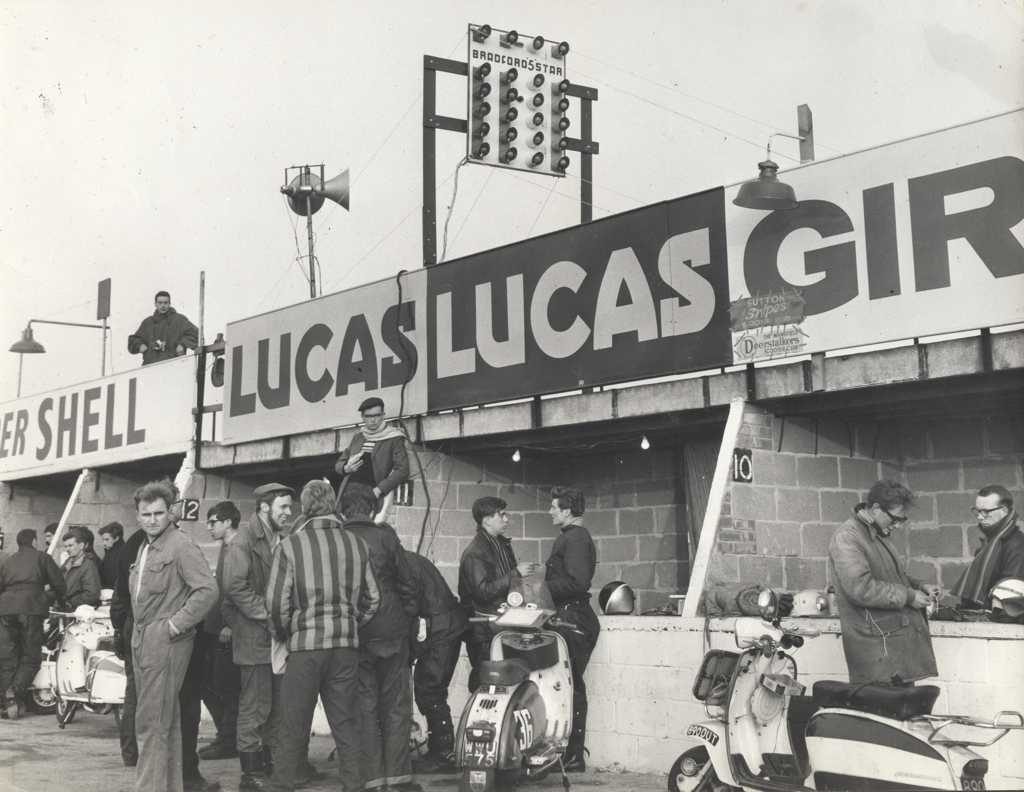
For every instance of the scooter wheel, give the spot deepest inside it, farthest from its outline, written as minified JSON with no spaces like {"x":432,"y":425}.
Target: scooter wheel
{"x":43,"y":702}
{"x":693,"y":772}
{"x":66,"y":712}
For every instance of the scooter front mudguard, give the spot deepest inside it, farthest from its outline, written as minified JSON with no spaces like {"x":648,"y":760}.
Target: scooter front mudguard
{"x":712,"y":735}
{"x":106,"y":678}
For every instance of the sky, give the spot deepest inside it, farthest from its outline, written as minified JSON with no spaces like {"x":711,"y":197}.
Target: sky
{"x":147,"y":142}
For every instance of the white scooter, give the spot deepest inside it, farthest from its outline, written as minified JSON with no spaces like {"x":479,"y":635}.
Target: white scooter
{"x":764,"y":734}
{"x":517,"y":723}
{"x":84,"y":671}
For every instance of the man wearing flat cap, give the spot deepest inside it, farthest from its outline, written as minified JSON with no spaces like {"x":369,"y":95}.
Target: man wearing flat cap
{"x":376,"y":456}
{"x":247,"y":562}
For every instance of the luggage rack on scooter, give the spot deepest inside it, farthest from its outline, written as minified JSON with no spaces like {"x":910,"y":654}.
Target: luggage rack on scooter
{"x":967,"y":730}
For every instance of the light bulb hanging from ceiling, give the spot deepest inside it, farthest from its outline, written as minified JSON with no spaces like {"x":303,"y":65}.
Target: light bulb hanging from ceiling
{"x":645,"y":443}
{"x":516,"y":456}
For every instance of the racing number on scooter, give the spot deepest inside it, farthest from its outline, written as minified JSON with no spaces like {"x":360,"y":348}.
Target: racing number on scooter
{"x":524,"y":728}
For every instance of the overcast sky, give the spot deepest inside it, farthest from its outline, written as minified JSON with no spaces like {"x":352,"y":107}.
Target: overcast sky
{"x":147,"y":141}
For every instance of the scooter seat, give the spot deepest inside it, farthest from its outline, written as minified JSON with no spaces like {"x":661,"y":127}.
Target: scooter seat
{"x":503,"y":673}
{"x":901,"y":703}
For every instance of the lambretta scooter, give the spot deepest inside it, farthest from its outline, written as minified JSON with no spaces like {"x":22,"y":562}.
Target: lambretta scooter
{"x":764,"y":734}
{"x":85,"y":672}
{"x":516,"y":725}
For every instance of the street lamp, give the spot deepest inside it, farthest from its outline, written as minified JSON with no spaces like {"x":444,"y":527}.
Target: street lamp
{"x":766,"y":191}
{"x":27,"y":345}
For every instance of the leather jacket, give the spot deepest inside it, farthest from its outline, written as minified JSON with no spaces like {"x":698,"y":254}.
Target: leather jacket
{"x":481,"y":587}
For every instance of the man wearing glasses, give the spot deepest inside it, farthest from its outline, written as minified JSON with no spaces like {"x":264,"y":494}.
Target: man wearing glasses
{"x":881,"y":607}
{"x":1001,"y":553}
{"x":376,"y":456}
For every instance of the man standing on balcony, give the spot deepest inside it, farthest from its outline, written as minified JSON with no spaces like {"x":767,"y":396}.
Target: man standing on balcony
{"x":164,"y":335}
{"x":376,"y":456}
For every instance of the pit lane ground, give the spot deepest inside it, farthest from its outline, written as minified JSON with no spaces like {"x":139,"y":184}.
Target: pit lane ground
{"x":35,"y":755}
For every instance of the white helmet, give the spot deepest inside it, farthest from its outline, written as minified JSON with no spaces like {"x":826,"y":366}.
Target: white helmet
{"x":1008,"y":599}
{"x":809,"y":602}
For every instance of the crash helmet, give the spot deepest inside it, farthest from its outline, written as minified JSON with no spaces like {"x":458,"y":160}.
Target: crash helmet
{"x":1008,"y":598}
{"x":809,"y":602}
{"x":617,"y":598}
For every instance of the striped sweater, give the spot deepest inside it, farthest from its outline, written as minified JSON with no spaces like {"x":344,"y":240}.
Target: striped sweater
{"x":321,"y":587}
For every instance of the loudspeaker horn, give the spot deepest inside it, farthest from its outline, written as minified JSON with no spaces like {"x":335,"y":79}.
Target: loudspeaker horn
{"x":336,"y":190}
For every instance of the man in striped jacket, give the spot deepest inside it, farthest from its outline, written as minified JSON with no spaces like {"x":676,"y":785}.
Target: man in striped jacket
{"x":321,"y":591}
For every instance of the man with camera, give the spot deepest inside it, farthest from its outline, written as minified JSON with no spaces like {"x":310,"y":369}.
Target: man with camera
{"x":164,"y":335}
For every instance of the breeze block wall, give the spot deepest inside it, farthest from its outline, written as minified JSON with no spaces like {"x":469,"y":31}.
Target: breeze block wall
{"x":34,"y":505}
{"x":810,"y":473}
{"x":633,"y":511}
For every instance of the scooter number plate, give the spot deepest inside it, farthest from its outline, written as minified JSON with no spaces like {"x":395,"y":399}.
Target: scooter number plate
{"x":974,"y":784}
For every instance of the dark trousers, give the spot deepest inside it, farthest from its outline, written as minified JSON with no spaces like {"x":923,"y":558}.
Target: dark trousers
{"x":580,"y":648}
{"x":129,"y":745}
{"x":190,"y":700}
{"x":331,"y":674}
{"x":478,"y":648}
{"x":220,"y":685}
{"x":435,"y":667}
{"x":21,"y":641}
{"x":385,"y":698}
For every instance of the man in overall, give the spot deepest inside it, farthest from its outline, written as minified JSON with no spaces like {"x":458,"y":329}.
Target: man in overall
{"x":171,"y":591}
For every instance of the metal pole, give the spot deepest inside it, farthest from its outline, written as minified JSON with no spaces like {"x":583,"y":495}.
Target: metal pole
{"x":202,"y":305}
{"x":429,"y":166}
{"x":103,"y":352}
{"x":586,"y":163}
{"x":312,"y":259}
{"x":21,"y":359}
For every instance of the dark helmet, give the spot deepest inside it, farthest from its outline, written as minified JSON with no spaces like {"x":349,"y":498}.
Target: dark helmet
{"x":617,"y":598}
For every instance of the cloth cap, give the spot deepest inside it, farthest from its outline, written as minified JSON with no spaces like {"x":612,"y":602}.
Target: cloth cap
{"x":266,"y":489}
{"x":370,"y":403}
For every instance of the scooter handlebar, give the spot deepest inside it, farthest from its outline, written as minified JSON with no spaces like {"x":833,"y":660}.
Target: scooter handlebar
{"x":483,"y":618}
{"x":556,"y":622}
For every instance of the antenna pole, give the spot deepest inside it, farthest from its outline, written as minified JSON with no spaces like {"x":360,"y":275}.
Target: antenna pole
{"x":309,"y":234}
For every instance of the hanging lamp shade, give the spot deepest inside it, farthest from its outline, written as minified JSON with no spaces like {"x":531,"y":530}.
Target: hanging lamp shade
{"x":766,"y":191}
{"x":27,"y":345}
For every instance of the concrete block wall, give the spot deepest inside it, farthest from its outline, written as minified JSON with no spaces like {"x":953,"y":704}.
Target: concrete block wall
{"x":808,"y":475}
{"x":633,"y":511}
{"x":36,"y":506}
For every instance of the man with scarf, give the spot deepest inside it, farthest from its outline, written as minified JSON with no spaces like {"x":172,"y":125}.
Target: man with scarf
{"x":1001,"y":553}
{"x":376,"y":456}
{"x":881,"y":608}
{"x":164,"y":335}
{"x":486,"y":569}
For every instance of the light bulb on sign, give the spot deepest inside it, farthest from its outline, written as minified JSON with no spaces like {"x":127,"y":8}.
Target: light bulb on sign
{"x":645,"y":443}
{"x":516,"y":456}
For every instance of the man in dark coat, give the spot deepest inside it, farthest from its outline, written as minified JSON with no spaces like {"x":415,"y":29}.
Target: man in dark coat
{"x":1001,"y":552}
{"x":164,"y":335}
{"x":219,"y":677}
{"x":111,"y":537}
{"x":486,"y":569}
{"x":376,"y":456}
{"x":570,"y":569}
{"x":436,"y":658}
{"x":385,"y":693}
{"x":81,"y":569}
{"x":23,"y":607}
{"x":881,"y":607}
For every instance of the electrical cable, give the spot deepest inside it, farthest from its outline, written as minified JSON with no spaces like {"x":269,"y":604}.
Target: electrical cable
{"x":479,"y":195}
{"x":673,"y":111}
{"x":681,"y":92}
{"x":543,"y":204}
{"x":451,"y":209}
{"x":560,"y":195}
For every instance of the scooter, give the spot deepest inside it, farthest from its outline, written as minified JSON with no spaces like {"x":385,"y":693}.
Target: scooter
{"x":43,"y":700}
{"x":764,"y":734}
{"x":517,"y":723}
{"x":84,"y":672}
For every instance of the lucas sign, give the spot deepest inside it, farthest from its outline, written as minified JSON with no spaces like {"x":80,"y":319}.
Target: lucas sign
{"x":133,"y":415}
{"x":916,"y":238}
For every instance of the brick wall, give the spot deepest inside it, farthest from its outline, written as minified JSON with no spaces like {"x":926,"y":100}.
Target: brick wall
{"x":36,"y":506}
{"x":808,"y":474}
{"x":633,"y":511}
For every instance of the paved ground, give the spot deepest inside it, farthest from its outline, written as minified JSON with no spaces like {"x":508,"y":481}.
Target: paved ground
{"x":35,"y":756}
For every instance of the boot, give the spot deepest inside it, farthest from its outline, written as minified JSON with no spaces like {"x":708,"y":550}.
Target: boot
{"x":11,"y":707}
{"x":254,"y":775}
{"x":573,"y":761}
{"x":196,"y":783}
{"x":266,"y":760}
{"x":218,"y":749}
